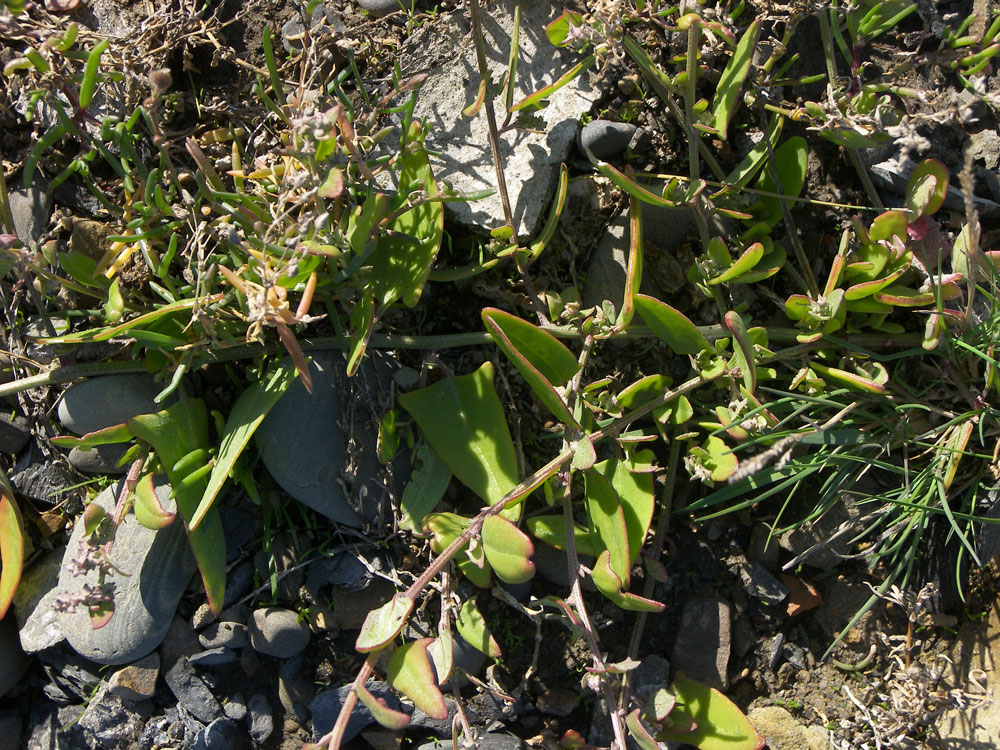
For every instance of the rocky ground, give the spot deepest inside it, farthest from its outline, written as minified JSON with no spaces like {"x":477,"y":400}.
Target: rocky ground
{"x":749,"y":613}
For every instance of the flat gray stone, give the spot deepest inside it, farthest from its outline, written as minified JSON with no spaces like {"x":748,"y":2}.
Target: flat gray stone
{"x":213,"y":657}
{"x":136,"y":682}
{"x":702,"y":647}
{"x":275,"y":631}
{"x":14,"y":433}
{"x":30,"y":208}
{"x":531,"y":160}
{"x":221,"y":734}
{"x":192,"y":692}
{"x":760,"y":583}
{"x":304,"y":441}
{"x":107,"y":723}
{"x":326,"y":707}
{"x":228,"y":634}
{"x":108,"y":400}
{"x":261,"y":720}
{"x":159,"y":565}
{"x":379,"y":8}
{"x":37,"y":619}
{"x":606,"y":139}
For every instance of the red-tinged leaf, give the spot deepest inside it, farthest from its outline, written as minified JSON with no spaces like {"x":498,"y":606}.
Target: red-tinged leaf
{"x":11,"y":550}
{"x":383,"y":624}
{"x":632,"y":187}
{"x":802,"y":596}
{"x":545,"y":92}
{"x":633,"y":273}
{"x":887,"y":225}
{"x":333,"y":186}
{"x":720,"y":723}
{"x":743,"y":351}
{"x":148,"y":509}
{"x":671,"y":325}
{"x":562,"y":26}
{"x":410,"y":673}
{"x":555,"y":212}
{"x":727,"y":91}
{"x":927,"y":187}
{"x":93,"y":516}
{"x":609,"y":584}
{"x":387,"y":717}
{"x":442,"y":653}
{"x":584,"y":456}
{"x":291,"y":344}
{"x":742,"y":265}
{"x":869,"y":288}
{"x":118,"y":433}
{"x":642,"y":736}
{"x":508,"y":550}
{"x":849,"y":378}
{"x":472,"y":627}
{"x":444,"y":528}
{"x":551,"y":529}
{"x":473,"y":107}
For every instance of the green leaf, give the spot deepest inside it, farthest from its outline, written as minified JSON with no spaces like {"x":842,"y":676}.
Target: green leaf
{"x":926,"y":188}
{"x":428,"y":482}
{"x":727,"y":91}
{"x":791,"y":159}
{"x":630,"y":186}
{"x":671,"y":325}
{"x":555,"y":212}
{"x":540,"y":358}
{"x":444,"y":528}
{"x":609,"y":584}
{"x":83,"y":270}
{"x":744,"y":264}
{"x":559,"y":28}
{"x":383,"y":624}
{"x":716,"y":457}
{"x":11,"y":550}
{"x":642,"y":736}
{"x":174,"y":433}
{"x":632,"y":481}
{"x":463,"y":421}
{"x":472,"y":627}
{"x":607,"y":524}
{"x":128,"y":328}
{"x":114,"y":308}
{"x":442,"y":653}
{"x":410,"y":673}
{"x":584,"y":454}
{"x":633,"y":273}
{"x":387,"y":717}
{"x":720,"y":725}
{"x":247,"y":414}
{"x":744,"y":171}
{"x":551,"y":529}
{"x":118,"y":433}
{"x":402,"y":258}
{"x":148,"y":510}
{"x":743,"y":352}
{"x":362,"y":324}
{"x":508,"y":550}
{"x":535,"y":99}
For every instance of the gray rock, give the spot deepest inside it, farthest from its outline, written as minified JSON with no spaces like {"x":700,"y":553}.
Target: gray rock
{"x":784,"y":732}
{"x":30,"y":209}
{"x":158,"y":565}
{"x":221,"y":734}
{"x":275,"y":631}
{"x":286,"y":565}
{"x":72,"y":678}
{"x":326,"y":707}
{"x":11,"y":727}
{"x":101,"y":459}
{"x":137,"y":681}
{"x":531,"y":160}
{"x":179,"y":641}
{"x":236,"y":613}
{"x":261,"y":720}
{"x":379,"y":8}
{"x":192,"y":692}
{"x":344,"y":570}
{"x":825,"y":541}
{"x":108,"y":724}
{"x":761,"y":584}
{"x":441,"y":727}
{"x":213,"y":657}
{"x":228,"y":634}
{"x":13,"y":662}
{"x":202,"y":616}
{"x":295,"y":689}
{"x":490,"y":741}
{"x":235,"y":708}
{"x":14,"y":433}
{"x":985,"y":146}
{"x":37,"y":619}
{"x":324,"y":20}
{"x":702,"y":647}
{"x":239,"y":582}
{"x":108,"y":400}
{"x":606,"y":139}
{"x":303,"y":441}
{"x":41,"y":480}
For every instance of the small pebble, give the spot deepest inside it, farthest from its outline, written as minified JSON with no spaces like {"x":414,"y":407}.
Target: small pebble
{"x":606,"y":139}
{"x":275,"y":631}
{"x":379,"y":8}
{"x":228,"y":634}
{"x":213,"y":657}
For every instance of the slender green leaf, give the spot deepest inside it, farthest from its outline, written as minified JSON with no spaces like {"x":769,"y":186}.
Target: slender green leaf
{"x":744,"y":171}
{"x":671,"y":325}
{"x":632,"y":481}
{"x":727,"y":91}
{"x":633,"y":273}
{"x":536,"y":98}
{"x":118,"y":433}
{"x":607,"y":524}
{"x":428,"y":481}
{"x":555,"y":212}
{"x":791,"y":160}
{"x":743,"y":352}
{"x":127,"y":328}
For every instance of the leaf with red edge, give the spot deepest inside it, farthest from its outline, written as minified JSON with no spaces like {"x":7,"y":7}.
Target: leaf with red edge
{"x":508,"y":550}
{"x":609,"y":584}
{"x":387,"y":717}
{"x":927,"y":187}
{"x":472,"y":627}
{"x":148,"y":509}
{"x":383,"y":624}
{"x":11,"y":550}
{"x":118,"y":433}
{"x":720,"y":725}
{"x":410,"y":673}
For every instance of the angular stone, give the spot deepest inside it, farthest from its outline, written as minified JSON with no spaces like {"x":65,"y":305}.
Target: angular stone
{"x":213,"y":657}
{"x":261,"y":720}
{"x":108,"y":400}
{"x":760,"y":583}
{"x":531,"y":160}
{"x":108,"y":724}
{"x":137,"y":681}
{"x":158,"y":565}
{"x":221,"y":734}
{"x":702,"y":647}
{"x":30,"y":208}
{"x":783,"y":732}
{"x":192,"y":692}
{"x":326,"y":707}
{"x":37,"y":619}
{"x":14,"y":434}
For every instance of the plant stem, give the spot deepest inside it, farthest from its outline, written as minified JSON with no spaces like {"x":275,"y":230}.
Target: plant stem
{"x":491,"y":118}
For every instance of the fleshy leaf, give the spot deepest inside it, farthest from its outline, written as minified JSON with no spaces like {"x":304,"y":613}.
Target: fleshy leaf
{"x":472,"y":627}
{"x":428,"y":481}
{"x":387,"y":717}
{"x":442,"y":653}
{"x":742,"y":265}
{"x":463,"y":421}
{"x":148,"y":509}
{"x":538,"y":97}
{"x":508,"y":550}
{"x":610,"y":585}
{"x":720,"y":723}
{"x":791,"y":160}
{"x":607,"y":523}
{"x":671,"y":325}
{"x":551,"y":529}
{"x":541,"y":359}
{"x":11,"y":550}
{"x":410,"y":673}
{"x":926,"y":188}
{"x":383,"y":624}
{"x":584,"y":456}
{"x":632,"y":480}
{"x":633,"y":272}
{"x":444,"y":528}
{"x":743,"y":352}
{"x":118,"y":433}
{"x":727,"y":91}
{"x":247,"y":414}
{"x":642,"y":736}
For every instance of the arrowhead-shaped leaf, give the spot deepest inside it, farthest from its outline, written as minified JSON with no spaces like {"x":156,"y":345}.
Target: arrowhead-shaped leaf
{"x":383,"y":624}
{"x":410,"y":673}
{"x":609,"y":584}
{"x":148,"y":509}
{"x":607,"y":523}
{"x":387,"y":717}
